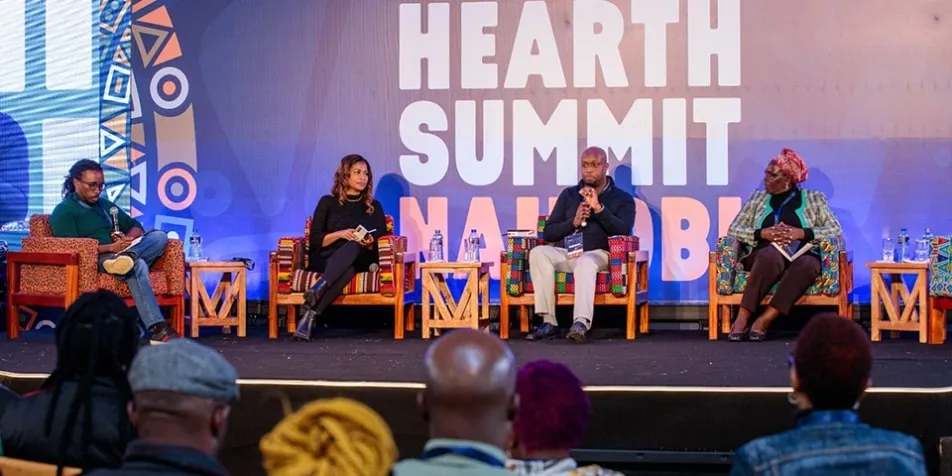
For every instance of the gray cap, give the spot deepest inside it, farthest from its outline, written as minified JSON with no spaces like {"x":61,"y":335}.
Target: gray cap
{"x":186,"y":367}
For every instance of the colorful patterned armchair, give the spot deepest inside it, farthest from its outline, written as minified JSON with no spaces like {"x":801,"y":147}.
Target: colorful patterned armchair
{"x":53,"y":272}
{"x":726,"y":282}
{"x":626,"y":262}
{"x":387,"y":286}
{"x":940,"y":285}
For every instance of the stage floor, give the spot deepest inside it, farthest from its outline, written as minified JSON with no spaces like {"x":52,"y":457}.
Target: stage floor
{"x":672,"y":358}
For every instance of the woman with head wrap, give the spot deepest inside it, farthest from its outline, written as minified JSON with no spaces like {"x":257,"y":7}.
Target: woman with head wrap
{"x":785,"y":215}
{"x":333,"y":437}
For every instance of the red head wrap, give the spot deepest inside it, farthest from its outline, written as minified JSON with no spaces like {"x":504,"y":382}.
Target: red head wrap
{"x":792,"y":165}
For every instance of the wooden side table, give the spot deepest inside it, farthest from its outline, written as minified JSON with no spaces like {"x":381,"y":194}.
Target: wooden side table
{"x":906,"y":309}
{"x":216,"y":310}
{"x":448,"y":313}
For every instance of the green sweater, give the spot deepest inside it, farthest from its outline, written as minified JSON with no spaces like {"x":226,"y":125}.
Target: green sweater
{"x":73,"y":218}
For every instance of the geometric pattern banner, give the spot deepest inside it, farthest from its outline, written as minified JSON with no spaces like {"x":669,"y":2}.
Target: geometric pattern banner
{"x":115,"y":83}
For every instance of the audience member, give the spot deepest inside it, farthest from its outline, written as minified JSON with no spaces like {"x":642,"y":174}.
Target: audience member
{"x":552,"y":419}
{"x":330,"y":437}
{"x":829,"y":372}
{"x":78,"y":416}
{"x":469,"y":403}
{"x":182,"y":397}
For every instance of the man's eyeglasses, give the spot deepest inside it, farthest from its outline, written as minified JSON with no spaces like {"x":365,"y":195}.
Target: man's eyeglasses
{"x":94,"y":185}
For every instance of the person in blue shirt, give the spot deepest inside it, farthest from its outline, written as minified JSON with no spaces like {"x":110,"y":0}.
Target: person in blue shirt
{"x":14,"y":171}
{"x":829,"y":372}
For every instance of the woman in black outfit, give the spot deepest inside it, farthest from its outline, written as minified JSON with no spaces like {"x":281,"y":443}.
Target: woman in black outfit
{"x":334,"y":250}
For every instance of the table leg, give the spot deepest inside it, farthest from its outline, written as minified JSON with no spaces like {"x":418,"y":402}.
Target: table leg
{"x":876,"y":288}
{"x":242,"y":301}
{"x":195,"y":298}
{"x":920,"y":294}
{"x":484,"y":296}
{"x":427,"y":283}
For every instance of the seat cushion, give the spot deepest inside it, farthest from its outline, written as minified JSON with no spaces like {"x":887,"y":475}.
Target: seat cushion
{"x":565,"y":283}
{"x":363,"y":283}
{"x":108,"y":282}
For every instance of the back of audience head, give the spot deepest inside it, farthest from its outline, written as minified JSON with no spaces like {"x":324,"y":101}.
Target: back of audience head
{"x":553,"y":412}
{"x":183,"y":395}
{"x":831,"y":364}
{"x":336,"y":436}
{"x":97,"y":338}
{"x":470,"y":388}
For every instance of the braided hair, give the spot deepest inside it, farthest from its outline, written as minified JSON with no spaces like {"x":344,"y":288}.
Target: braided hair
{"x":76,"y":172}
{"x":97,"y":338}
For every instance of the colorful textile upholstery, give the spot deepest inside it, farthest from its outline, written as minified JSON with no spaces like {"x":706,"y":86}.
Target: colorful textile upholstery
{"x":290,"y":278}
{"x":728,"y":280}
{"x":940,"y":287}
{"x":51,"y":280}
{"x":611,"y":287}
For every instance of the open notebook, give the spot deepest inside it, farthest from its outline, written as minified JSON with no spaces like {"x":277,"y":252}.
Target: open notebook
{"x":134,"y":242}
{"x":790,"y":250}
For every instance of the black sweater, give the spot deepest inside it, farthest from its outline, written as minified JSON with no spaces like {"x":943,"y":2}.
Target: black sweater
{"x":616,"y":218}
{"x":330,"y":215}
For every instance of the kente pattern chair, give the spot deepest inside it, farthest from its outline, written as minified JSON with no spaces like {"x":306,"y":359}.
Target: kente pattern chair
{"x":727,"y":281}
{"x":627,"y":264}
{"x":53,"y":272}
{"x":940,"y":286}
{"x":387,"y":286}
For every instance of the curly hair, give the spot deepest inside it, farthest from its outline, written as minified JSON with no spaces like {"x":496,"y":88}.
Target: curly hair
{"x":833,"y":359}
{"x":76,"y":172}
{"x":339,"y":189}
{"x":553,"y":408}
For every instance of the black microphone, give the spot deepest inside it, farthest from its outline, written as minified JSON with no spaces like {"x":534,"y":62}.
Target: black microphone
{"x":115,"y":220}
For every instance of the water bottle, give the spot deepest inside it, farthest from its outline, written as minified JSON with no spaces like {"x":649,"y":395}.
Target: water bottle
{"x":889,"y":250}
{"x":924,"y":246}
{"x":436,"y":247}
{"x":195,"y":246}
{"x":902,"y":246}
{"x":472,"y":247}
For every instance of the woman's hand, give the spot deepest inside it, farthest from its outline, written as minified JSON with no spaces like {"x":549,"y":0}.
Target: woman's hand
{"x":368,"y":241}
{"x":348,"y":234}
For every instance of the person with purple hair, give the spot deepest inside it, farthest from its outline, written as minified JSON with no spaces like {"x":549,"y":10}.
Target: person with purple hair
{"x":829,"y":373}
{"x":552,"y":418}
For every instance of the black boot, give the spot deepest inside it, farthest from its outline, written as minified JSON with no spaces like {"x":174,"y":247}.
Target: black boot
{"x":313,"y":296}
{"x":305,"y":325}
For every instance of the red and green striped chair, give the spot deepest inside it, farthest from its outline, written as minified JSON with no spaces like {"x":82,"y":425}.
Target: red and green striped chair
{"x":614,"y":287}
{"x":387,"y":286}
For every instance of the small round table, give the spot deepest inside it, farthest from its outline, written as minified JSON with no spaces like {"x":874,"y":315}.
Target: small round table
{"x":216,"y":310}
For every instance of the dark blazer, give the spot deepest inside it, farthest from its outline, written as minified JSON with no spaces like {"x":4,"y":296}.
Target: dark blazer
{"x":616,"y":218}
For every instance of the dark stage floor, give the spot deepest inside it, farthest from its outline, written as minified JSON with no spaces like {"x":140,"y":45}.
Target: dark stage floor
{"x":677,"y":358}
{"x":640,"y":424}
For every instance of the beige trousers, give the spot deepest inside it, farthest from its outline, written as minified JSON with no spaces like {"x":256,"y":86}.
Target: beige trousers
{"x":545,"y":260}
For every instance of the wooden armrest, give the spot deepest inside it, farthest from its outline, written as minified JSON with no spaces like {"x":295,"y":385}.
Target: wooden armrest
{"x":640,"y":256}
{"x":273,"y":257}
{"x":43,"y":258}
{"x":848,"y":255}
{"x":403,"y":257}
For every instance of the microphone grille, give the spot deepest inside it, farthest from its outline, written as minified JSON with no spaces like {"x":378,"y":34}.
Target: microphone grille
{"x":113,"y":211}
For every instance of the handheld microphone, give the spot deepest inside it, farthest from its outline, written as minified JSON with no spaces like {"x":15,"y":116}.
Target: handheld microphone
{"x":115,"y":220}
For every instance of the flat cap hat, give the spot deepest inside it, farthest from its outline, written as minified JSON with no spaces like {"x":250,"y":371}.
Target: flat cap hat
{"x":186,"y":367}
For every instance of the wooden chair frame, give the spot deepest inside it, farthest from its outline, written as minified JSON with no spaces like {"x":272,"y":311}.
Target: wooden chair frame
{"x":70,"y":264}
{"x":720,"y":306}
{"x":635,"y":299}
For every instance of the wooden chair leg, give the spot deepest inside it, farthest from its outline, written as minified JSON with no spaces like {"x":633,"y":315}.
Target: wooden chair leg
{"x":712,"y":318}
{"x":292,"y":320}
{"x":503,"y":315}
{"x":273,"y":318}
{"x":936,"y":325}
{"x":643,"y":327}
{"x":630,"y":311}
{"x":180,"y":314}
{"x":524,"y":319}
{"x":398,"y":318}
{"x":410,"y":318}
{"x":726,"y":315}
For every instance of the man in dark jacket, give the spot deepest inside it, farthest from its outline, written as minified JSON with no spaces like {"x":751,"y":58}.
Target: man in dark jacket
{"x":583,"y":218}
{"x":183,"y":395}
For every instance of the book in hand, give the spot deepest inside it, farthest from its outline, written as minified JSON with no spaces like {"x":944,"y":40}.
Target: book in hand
{"x":790,"y":251}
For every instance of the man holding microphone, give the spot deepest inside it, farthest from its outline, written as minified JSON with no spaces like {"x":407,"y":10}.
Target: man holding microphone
{"x":583,"y":218}
{"x":125,"y":249}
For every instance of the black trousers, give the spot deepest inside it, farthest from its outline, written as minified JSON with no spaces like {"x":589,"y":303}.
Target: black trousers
{"x":767,"y":266}
{"x":339,"y":268}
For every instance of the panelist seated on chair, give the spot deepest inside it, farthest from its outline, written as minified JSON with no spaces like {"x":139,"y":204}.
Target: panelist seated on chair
{"x":583,"y":219}
{"x":792,"y":218}
{"x":336,"y":248}
{"x":84,"y":214}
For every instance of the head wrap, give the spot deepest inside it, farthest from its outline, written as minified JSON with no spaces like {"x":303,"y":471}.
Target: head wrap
{"x":339,"y":437}
{"x":792,"y":165}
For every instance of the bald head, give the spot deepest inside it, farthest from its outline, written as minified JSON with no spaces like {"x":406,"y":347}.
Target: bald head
{"x":470,"y":386}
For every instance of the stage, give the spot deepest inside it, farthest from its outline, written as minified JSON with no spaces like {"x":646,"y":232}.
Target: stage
{"x":671,"y":401}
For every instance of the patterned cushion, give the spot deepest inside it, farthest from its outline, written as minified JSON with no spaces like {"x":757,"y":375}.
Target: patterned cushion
{"x":730,"y":279}
{"x":40,"y":226}
{"x":363,"y":283}
{"x":565,"y":283}
{"x":108,"y":282}
{"x":940,"y":282}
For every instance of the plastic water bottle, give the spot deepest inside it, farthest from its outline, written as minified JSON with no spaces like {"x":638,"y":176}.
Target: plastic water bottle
{"x":889,"y":250}
{"x":924,"y":246}
{"x":902,"y":245}
{"x":472,"y":247}
{"x":195,"y":246}
{"x":436,"y":247}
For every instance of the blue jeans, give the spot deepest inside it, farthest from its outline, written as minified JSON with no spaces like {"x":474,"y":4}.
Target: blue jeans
{"x":147,"y":251}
